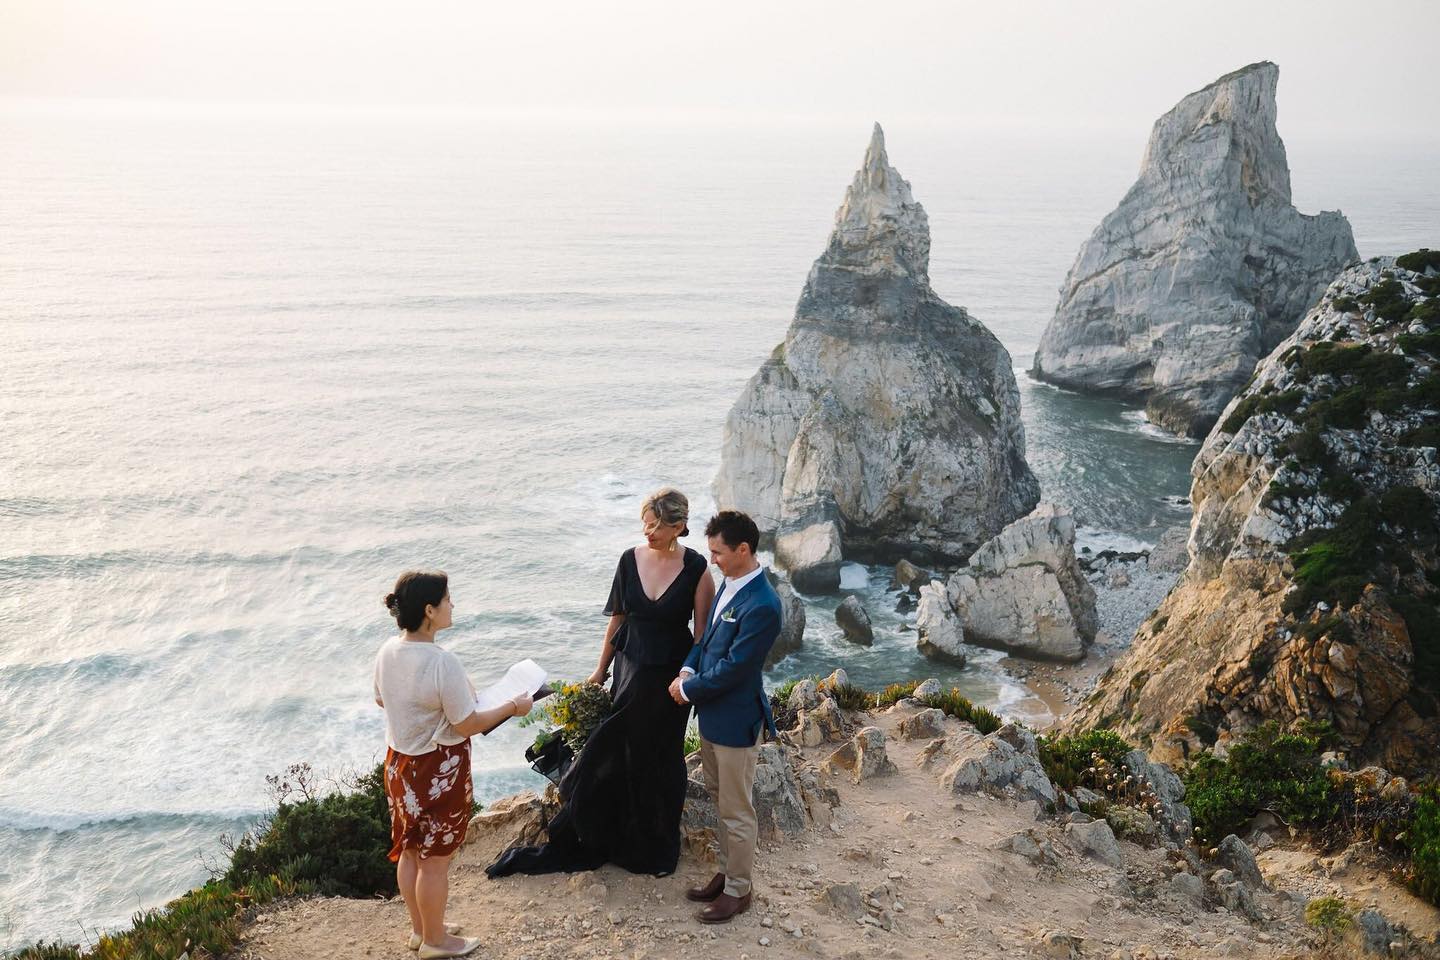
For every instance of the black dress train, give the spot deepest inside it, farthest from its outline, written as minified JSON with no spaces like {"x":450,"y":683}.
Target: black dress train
{"x":621,"y":798}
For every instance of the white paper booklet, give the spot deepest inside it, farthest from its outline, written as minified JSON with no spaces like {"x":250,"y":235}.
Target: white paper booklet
{"x":526,"y":677}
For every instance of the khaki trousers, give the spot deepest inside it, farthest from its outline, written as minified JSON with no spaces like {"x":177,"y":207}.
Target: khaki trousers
{"x":730,"y":781}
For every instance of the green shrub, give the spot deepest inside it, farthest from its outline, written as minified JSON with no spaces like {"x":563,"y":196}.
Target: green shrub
{"x":1419,"y":260}
{"x":206,"y":922}
{"x":1328,"y":915}
{"x":1083,"y":759}
{"x":1426,"y":436}
{"x":1344,"y":304}
{"x":1423,"y":841}
{"x":1269,"y":769}
{"x":1420,"y":342}
{"x":338,"y":842}
{"x":1387,"y":298}
{"x":1422,"y":622}
{"x":1307,"y":446}
{"x":848,"y":696}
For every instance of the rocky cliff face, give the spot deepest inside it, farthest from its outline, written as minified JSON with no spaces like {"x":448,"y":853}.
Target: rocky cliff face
{"x":888,"y":423}
{"x":1314,"y":578}
{"x":1203,"y":268}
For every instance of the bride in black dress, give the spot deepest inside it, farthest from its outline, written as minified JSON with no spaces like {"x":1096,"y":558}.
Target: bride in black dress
{"x":621,"y":798}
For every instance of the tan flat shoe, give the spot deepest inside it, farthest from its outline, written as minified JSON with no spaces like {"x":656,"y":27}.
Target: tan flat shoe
{"x":470,"y":945}
{"x":416,"y":939}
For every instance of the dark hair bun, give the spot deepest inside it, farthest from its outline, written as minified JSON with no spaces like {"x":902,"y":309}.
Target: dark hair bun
{"x":414,"y":591}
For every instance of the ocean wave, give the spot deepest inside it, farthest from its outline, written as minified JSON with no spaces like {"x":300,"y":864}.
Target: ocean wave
{"x":43,"y":566}
{"x":106,"y":667}
{"x":135,"y":821}
{"x":1137,"y":422}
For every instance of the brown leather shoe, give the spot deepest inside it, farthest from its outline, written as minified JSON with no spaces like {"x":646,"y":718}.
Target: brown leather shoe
{"x":725,"y":908}
{"x":709,"y":892}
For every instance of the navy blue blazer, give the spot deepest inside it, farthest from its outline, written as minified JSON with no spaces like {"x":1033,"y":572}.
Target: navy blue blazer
{"x":727,"y":689}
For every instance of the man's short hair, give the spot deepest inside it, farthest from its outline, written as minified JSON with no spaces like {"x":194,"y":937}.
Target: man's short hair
{"x":734,"y":528}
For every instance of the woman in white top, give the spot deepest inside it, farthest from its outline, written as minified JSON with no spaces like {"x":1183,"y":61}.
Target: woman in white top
{"x":430,"y":716}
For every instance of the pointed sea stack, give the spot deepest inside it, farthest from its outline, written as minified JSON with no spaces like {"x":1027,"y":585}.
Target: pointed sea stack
{"x":887,"y":425}
{"x":1203,"y":268}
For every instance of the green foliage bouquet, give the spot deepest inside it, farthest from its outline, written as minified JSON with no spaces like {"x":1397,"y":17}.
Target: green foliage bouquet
{"x":572,"y":713}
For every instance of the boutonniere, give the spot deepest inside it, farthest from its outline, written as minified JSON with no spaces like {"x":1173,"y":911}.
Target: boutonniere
{"x":728,"y":615}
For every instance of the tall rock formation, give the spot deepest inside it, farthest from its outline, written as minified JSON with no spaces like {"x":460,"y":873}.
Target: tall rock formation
{"x":887,"y":424}
{"x":1314,"y":576}
{"x":1203,"y":268}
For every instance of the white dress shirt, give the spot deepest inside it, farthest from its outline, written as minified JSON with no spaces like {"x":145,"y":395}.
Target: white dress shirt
{"x":731,"y":586}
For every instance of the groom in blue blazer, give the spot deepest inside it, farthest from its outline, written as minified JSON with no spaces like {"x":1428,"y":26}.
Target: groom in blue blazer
{"x":722,"y":677}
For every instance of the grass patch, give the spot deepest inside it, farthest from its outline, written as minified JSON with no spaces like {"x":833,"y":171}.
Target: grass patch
{"x":895,"y":692}
{"x":955,"y":704}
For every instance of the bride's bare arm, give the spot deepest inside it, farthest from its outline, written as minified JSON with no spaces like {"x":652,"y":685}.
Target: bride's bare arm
{"x":704,"y":597}
{"x":607,"y":649}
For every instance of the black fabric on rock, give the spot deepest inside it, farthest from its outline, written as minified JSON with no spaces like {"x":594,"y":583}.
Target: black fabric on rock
{"x":622,"y":796}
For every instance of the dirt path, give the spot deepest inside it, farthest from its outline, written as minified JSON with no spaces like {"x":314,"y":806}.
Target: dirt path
{"x":931,"y":860}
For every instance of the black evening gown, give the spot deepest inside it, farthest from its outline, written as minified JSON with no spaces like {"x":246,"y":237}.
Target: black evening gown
{"x":621,"y":798}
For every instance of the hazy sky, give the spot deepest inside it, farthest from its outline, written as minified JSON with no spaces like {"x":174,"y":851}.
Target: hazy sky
{"x":1345,"y":67}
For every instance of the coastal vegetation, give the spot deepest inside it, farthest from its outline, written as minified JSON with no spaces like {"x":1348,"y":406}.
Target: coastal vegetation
{"x":316,"y":841}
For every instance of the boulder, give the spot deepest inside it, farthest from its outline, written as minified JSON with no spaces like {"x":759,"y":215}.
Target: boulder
{"x":779,"y":809}
{"x":1203,"y":268}
{"x":805,"y":695}
{"x":1097,"y":841}
{"x":792,"y":624}
{"x":887,"y":425}
{"x":1240,"y":861}
{"x":991,"y":764}
{"x":938,"y":633}
{"x":854,"y":621}
{"x":910,"y":577}
{"x":1186,"y":887}
{"x":929,"y":687}
{"x":925,"y":725}
{"x":1236,"y":896}
{"x":824,"y":723}
{"x":1171,"y":554}
{"x":1024,"y":592}
{"x":863,"y":757}
{"x":516,"y":819}
{"x":843,"y":899}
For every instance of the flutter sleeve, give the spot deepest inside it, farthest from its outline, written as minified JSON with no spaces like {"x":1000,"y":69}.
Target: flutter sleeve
{"x":616,"y":603}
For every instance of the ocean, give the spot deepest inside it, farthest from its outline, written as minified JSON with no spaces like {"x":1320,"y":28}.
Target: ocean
{"x":257,"y":362}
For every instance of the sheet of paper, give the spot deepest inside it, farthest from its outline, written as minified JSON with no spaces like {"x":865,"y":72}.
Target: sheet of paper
{"x":527,"y":676}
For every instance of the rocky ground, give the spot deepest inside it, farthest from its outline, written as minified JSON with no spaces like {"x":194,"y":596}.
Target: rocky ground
{"x":895,"y":834}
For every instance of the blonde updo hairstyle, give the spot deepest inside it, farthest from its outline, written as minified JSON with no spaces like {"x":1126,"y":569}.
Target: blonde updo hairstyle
{"x":669,"y":506}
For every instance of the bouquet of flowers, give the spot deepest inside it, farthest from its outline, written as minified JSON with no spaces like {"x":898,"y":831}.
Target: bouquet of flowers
{"x":569,"y":716}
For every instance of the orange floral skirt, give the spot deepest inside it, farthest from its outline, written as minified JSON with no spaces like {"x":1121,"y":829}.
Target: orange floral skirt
{"x":430,"y":798}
